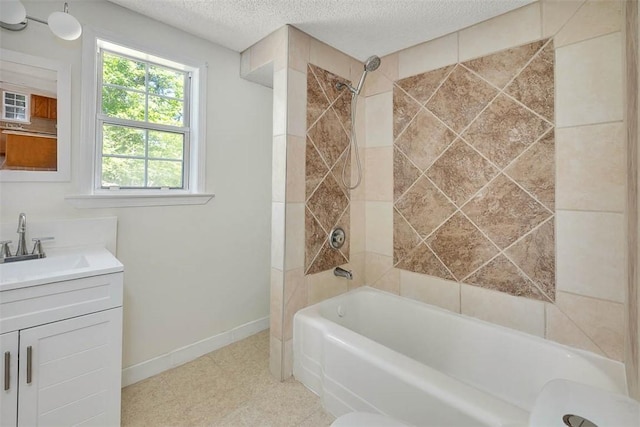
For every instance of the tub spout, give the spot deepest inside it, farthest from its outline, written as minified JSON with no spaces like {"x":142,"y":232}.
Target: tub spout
{"x":341,"y":272}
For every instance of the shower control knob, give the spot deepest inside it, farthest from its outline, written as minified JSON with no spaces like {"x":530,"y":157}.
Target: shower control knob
{"x":337,"y":238}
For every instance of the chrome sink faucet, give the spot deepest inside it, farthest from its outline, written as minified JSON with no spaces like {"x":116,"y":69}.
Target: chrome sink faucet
{"x":22,"y":253}
{"x":22,"y":231}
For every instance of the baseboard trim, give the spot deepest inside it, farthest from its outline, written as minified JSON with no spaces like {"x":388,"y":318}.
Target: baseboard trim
{"x":177,"y":357}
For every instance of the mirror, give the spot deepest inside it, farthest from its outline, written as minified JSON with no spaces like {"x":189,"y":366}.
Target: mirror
{"x":35,"y":118}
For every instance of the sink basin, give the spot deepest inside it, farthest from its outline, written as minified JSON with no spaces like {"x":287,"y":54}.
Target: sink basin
{"x":58,"y":266}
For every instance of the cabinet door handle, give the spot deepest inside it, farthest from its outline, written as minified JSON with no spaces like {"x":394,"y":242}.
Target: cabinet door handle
{"x":7,"y":371}
{"x":29,"y":362}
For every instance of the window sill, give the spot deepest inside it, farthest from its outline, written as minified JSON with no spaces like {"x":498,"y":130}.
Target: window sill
{"x":92,"y":201}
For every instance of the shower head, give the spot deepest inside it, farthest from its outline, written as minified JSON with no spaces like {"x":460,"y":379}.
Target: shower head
{"x":372,"y":63}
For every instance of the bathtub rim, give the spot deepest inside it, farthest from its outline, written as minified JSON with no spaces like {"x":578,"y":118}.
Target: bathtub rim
{"x":601,"y":361}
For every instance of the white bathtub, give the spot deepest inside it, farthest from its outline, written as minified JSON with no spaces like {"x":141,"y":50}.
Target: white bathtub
{"x":372,"y":351}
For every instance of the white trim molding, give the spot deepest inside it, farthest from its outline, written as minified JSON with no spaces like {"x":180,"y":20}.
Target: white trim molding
{"x":151,"y":367}
{"x":90,"y":201}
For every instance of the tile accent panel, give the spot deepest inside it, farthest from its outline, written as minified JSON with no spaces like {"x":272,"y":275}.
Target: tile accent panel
{"x":327,"y":201}
{"x":474,"y":172}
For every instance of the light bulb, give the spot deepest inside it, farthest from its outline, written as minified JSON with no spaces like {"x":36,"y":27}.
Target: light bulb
{"x":13,"y":12}
{"x":64,"y":26}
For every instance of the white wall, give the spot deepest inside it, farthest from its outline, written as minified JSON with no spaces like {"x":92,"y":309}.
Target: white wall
{"x":191,"y":272}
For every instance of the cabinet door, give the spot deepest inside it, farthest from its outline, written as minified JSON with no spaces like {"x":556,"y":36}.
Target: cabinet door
{"x":39,"y":106}
{"x":72,"y":376}
{"x":53,"y":108}
{"x":9,"y":383}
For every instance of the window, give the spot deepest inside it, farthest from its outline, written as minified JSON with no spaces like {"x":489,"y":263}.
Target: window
{"x":143,"y":122}
{"x":15,"y":106}
{"x":143,"y":125}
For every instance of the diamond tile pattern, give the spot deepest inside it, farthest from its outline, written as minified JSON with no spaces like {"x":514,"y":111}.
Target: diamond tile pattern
{"x":504,"y":130}
{"x":461,"y":98}
{"x":404,"y":109}
{"x":460,"y":172}
{"x":327,"y":202}
{"x":505,"y":212}
{"x":424,"y":139}
{"x":501,"y":275}
{"x":422,"y":86}
{"x":461,"y":246}
{"x":499,"y":68}
{"x":423,"y":260}
{"x":534,"y":86}
{"x":482,"y":137}
{"x":424,"y":206}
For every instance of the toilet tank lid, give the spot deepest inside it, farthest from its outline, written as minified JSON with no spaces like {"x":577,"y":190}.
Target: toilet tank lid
{"x":560,"y":398}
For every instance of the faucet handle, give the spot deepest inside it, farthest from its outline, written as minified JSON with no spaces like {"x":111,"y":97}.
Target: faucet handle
{"x":5,"y":252}
{"x":37,"y":245}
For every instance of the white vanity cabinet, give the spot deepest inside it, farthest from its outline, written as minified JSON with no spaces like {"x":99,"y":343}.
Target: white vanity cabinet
{"x":61,"y":348}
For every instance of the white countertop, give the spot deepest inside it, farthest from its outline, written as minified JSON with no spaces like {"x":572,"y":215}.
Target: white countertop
{"x":58,"y":266}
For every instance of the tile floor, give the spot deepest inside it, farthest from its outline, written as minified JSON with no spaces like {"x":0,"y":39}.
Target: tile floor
{"x":228,"y":387}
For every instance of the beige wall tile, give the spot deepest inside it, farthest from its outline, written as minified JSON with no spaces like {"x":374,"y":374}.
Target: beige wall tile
{"x":389,"y":282}
{"x":379,"y":227}
{"x":287,"y":363}
{"x":323,"y":285}
{"x":294,"y":239}
{"x":358,"y":193}
{"x":602,"y":321}
{"x":590,"y":254}
{"x":297,"y":103}
{"x":275,"y":357}
{"x":590,"y":168}
{"x":518,"y":313}
{"x":299,"y":45}
{"x":278,"y":168}
{"x":563,"y":330}
{"x":556,"y":13}
{"x":324,"y":56}
{"x":361,"y":121}
{"x":276,"y":300}
{"x":523,"y":314}
{"x":277,"y":235}
{"x":280,"y":102}
{"x":511,"y":29}
{"x":379,"y":120}
{"x":589,"y":82}
{"x":272,"y":48}
{"x":593,"y":19}
{"x":379,"y":174}
{"x":382,"y":79}
{"x":358,"y":229}
{"x":295,"y":298}
{"x":357,"y":267}
{"x":376,"y":266}
{"x":428,"y":56}
{"x":295,"y":169}
{"x":431,"y":290}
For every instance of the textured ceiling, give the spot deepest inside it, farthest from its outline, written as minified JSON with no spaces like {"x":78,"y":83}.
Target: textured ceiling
{"x":359,"y":28}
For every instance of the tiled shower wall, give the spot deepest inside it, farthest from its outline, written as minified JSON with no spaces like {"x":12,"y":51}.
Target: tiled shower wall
{"x":588,"y":311}
{"x":308,"y":155}
{"x":473,"y":172}
{"x":327,"y":159}
{"x":500,"y":268}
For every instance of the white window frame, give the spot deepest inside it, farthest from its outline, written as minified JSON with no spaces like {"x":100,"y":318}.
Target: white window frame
{"x":92,"y":195}
{"x":102,"y":119}
{"x":27,"y":108}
